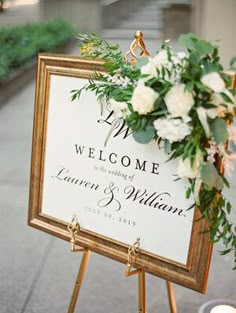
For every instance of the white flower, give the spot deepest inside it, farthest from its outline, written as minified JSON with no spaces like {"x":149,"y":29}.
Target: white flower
{"x":227,"y":157}
{"x":166,"y":67}
{"x":161,"y":58}
{"x":202,"y":115}
{"x":172,"y":129}
{"x":229,"y":163}
{"x":185,"y":170}
{"x":178,"y":58}
{"x":222,"y":106}
{"x":231,"y":133}
{"x":218,"y":100}
{"x":120,"y":108}
{"x":143,"y":98}
{"x":117,"y":79}
{"x":213,"y":81}
{"x":181,"y":55}
{"x":179,"y":101}
{"x":212,"y":151}
{"x":149,"y":69}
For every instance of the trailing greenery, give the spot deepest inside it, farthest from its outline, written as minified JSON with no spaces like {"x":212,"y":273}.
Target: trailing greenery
{"x":20,"y":44}
{"x":185,"y":101}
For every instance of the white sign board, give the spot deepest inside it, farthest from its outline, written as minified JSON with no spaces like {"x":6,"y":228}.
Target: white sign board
{"x":118,"y":192}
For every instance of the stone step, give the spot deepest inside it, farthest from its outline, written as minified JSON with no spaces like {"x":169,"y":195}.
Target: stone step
{"x":152,"y":24}
{"x":144,"y":16}
{"x":158,"y":4}
{"x":148,"y":18}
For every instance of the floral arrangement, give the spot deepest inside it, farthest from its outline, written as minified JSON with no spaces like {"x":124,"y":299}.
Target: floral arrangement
{"x":183,"y":100}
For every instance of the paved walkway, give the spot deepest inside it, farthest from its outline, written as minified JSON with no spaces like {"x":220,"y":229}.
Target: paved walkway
{"x":37,"y":271}
{"x":19,"y":12}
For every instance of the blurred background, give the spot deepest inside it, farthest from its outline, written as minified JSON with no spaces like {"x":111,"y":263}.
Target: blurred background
{"x":37,"y":271}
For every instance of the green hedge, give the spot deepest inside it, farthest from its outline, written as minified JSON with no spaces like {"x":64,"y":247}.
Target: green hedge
{"x":22,"y":43}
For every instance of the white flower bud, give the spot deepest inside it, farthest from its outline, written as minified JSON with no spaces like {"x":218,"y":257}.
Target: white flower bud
{"x":213,"y":81}
{"x":185,"y":170}
{"x":120,"y":108}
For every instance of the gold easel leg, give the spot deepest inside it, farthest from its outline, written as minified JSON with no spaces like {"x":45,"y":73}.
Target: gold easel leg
{"x":142,"y":291}
{"x":79,"y":280}
{"x":171,"y":295}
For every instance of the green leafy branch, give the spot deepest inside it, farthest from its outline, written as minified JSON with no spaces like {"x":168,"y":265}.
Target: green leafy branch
{"x":202,"y":59}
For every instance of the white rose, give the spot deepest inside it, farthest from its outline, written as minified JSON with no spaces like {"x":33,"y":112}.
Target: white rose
{"x":120,"y":108}
{"x":179,"y":101}
{"x":185,"y":170}
{"x":213,"y":81}
{"x":172,"y":129}
{"x":143,"y":99}
{"x":149,"y":69}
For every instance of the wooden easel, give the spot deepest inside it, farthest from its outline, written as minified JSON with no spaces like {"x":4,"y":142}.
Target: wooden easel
{"x":133,"y":253}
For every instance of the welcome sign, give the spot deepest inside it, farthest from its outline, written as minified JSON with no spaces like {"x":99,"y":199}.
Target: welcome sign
{"x":118,"y":191}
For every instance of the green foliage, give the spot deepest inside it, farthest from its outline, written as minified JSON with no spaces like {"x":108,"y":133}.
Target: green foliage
{"x":93,"y":47}
{"x":140,"y":62}
{"x":233,"y":63}
{"x":205,"y":143}
{"x":214,"y":208}
{"x":192,"y":43}
{"x":144,"y":135}
{"x":219,"y":130}
{"x":22,"y":43}
{"x":210,"y":177}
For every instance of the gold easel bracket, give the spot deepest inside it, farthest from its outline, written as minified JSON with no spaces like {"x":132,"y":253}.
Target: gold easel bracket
{"x":133,"y":254}
{"x":232,"y":75}
{"x":139,"y":44}
{"x":74,"y":229}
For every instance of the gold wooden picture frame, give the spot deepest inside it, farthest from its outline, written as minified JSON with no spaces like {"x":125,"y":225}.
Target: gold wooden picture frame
{"x":46,"y":184}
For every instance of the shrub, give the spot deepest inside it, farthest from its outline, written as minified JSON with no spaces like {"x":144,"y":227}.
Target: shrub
{"x":22,"y":43}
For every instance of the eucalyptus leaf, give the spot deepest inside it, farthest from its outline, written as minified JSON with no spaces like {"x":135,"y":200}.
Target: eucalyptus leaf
{"x":203,"y":47}
{"x":141,"y":62}
{"x":232,"y":146}
{"x":194,"y":58}
{"x":144,"y":135}
{"x":210,"y":177}
{"x":209,"y":68}
{"x":233,"y":63}
{"x":187,"y":41}
{"x":219,"y":130}
{"x":167,"y":146}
